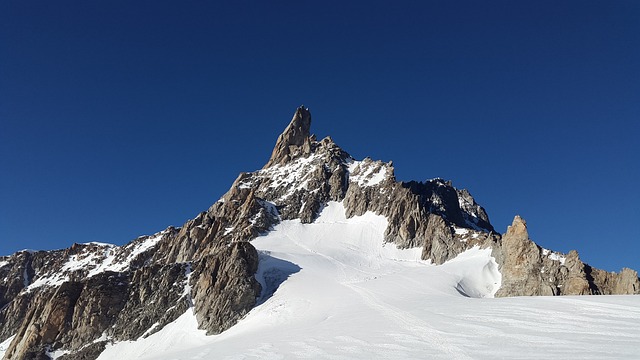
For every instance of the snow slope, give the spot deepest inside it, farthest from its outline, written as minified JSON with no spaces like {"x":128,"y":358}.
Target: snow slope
{"x":334,"y":290}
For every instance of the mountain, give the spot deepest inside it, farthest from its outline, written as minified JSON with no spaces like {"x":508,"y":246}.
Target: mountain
{"x":312,"y":209}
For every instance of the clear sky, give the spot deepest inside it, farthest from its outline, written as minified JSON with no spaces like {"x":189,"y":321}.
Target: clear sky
{"x":120,"y":118}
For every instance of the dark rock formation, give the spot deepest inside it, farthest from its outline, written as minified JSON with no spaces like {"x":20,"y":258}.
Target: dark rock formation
{"x":79,"y":299}
{"x":73,"y":314}
{"x":226,"y":288}
{"x":527,"y":269}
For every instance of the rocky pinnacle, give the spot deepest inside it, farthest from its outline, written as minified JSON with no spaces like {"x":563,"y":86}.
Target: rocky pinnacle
{"x":295,"y":140}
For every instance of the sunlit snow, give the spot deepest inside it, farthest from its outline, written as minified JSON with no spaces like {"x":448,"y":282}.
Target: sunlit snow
{"x":334,"y":290}
{"x":4,"y":346}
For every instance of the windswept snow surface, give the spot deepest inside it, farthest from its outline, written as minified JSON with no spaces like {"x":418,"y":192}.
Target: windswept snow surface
{"x":334,"y":290}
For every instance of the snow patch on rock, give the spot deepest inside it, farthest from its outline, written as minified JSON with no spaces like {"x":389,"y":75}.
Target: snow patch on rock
{"x":555,"y":256}
{"x":367,"y":172}
{"x":4,"y":346}
{"x":95,"y":258}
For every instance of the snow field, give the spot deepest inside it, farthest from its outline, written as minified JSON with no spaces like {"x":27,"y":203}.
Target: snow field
{"x":333,"y":290}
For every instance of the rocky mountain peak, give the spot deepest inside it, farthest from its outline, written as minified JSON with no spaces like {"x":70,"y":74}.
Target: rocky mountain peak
{"x":518,"y":229}
{"x":78,"y":299}
{"x":295,"y":140}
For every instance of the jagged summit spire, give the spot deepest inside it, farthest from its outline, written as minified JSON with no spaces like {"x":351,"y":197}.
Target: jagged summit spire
{"x":518,"y":228}
{"x":295,"y":140}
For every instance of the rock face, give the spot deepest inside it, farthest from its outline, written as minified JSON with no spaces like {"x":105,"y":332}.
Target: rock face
{"x":226,"y":288}
{"x":294,"y":141}
{"x":80,"y":298}
{"x":528,"y":269}
{"x":74,"y":301}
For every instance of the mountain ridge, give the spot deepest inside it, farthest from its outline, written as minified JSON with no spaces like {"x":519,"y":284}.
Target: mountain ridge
{"x":79,"y":299}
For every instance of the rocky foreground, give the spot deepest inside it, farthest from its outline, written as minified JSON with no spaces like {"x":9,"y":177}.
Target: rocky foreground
{"x":75,"y":301}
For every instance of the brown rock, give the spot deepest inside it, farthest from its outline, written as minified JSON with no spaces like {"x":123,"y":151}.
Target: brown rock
{"x":224,"y":286}
{"x":294,"y":141}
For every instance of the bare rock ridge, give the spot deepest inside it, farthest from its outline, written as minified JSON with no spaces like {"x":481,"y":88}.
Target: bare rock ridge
{"x":528,"y":269}
{"x":295,"y":140}
{"x":75,"y":301}
{"x":78,"y":299}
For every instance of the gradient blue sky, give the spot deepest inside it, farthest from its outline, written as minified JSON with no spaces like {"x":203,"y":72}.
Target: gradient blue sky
{"x":120,"y":118}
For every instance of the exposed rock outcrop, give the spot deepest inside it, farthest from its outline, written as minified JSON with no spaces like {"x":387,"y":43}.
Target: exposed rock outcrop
{"x":294,"y":141}
{"x":527,"y":269}
{"x":73,"y":314}
{"x":225,"y":289}
{"x":92,"y":294}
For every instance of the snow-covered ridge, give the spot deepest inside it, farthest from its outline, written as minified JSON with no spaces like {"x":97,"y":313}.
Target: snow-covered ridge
{"x":293,"y":176}
{"x":367,"y":172}
{"x":93,"y":258}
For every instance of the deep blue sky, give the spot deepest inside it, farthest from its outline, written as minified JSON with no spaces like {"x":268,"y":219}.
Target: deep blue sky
{"x":120,"y":118}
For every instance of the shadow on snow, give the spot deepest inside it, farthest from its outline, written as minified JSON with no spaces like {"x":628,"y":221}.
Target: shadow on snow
{"x":271,"y":273}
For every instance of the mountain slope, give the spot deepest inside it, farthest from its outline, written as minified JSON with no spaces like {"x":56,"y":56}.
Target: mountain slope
{"x":342,"y":293}
{"x":77,"y":301}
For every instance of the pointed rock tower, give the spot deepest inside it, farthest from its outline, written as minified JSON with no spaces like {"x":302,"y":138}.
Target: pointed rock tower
{"x":295,"y":140}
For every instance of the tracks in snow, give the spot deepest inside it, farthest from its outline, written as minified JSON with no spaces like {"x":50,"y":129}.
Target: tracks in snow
{"x":353,"y":278}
